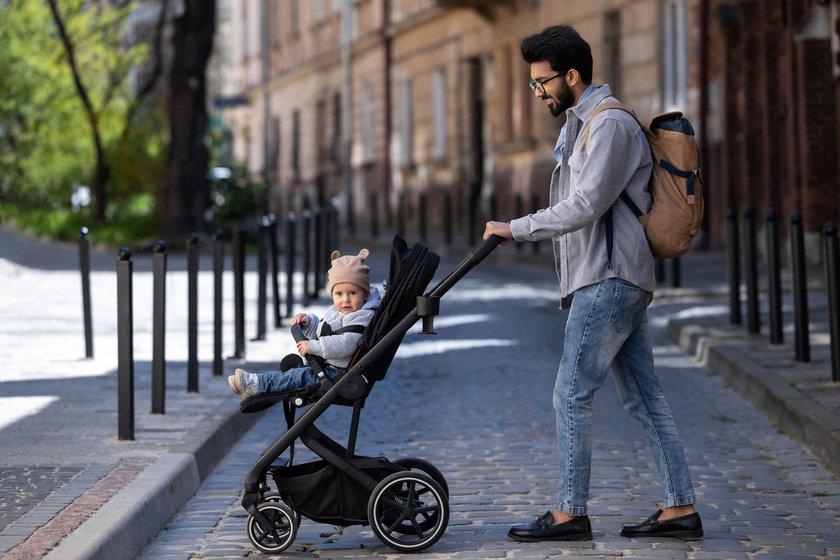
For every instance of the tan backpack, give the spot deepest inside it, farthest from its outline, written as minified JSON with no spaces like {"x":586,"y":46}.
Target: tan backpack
{"x":676,"y":185}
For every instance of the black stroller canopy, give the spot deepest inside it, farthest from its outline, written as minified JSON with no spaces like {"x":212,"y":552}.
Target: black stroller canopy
{"x":410,"y":272}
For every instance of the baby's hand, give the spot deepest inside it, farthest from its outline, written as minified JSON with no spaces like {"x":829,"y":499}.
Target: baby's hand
{"x":303,"y":347}
{"x":299,"y":318}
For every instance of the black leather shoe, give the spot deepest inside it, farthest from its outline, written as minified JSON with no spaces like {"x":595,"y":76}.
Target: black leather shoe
{"x":687,"y":527}
{"x":578,"y":529}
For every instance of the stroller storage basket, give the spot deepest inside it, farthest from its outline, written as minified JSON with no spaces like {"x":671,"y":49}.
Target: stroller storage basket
{"x":322,"y":492}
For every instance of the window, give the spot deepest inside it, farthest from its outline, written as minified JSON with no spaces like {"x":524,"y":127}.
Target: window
{"x":295,"y":18}
{"x":611,"y":59}
{"x":367,"y":122}
{"x":407,"y":122}
{"x":246,"y":32}
{"x":335,"y":149}
{"x":296,"y":144}
{"x":439,"y":114}
{"x":274,"y":163}
{"x":674,"y":71}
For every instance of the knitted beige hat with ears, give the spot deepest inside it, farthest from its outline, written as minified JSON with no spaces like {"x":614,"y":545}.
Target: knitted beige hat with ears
{"x":351,"y":269}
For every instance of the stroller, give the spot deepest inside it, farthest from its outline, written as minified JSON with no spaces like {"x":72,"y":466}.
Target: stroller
{"x":405,"y":501}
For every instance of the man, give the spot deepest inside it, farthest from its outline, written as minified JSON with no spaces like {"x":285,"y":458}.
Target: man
{"x":609,"y":288}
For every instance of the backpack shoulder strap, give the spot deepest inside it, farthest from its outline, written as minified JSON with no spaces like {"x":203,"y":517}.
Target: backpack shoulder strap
{"x":600,"y":109}
{"x":608,"y":215}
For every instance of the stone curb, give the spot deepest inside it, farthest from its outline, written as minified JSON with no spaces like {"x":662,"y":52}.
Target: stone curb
{"x":138,"y":512}
{"x":794,"y":413}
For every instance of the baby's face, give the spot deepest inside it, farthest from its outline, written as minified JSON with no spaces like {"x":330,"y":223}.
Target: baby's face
{"x":347,"y":297}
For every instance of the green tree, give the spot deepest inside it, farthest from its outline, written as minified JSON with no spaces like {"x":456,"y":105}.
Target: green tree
{"x":72,"y":109}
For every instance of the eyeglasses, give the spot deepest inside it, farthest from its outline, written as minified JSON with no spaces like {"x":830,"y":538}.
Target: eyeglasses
{"x":538,"y":86}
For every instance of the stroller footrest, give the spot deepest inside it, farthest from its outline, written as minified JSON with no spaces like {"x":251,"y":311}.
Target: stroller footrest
{"x":258,"y":403}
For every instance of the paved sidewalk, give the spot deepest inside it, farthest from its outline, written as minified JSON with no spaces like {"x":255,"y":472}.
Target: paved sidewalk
{"x":66,"y":481}
{"x":62,"y":470}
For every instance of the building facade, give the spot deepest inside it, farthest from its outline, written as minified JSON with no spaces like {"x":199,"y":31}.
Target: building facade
{"x":390,"y":104}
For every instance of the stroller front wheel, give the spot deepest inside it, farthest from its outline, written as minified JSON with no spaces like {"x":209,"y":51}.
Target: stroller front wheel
{"x":273,"y":496}
{"x":280,"y":535}
{"x":408,"y":511}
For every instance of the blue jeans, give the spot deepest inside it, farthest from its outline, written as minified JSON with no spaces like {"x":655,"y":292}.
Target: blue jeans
{"x":607,"y":330}
{"x":292,"y":379}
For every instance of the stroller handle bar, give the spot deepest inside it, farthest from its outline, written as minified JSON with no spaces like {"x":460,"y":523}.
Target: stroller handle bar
{"x":486,"y":248}
{"x":470,"y":261}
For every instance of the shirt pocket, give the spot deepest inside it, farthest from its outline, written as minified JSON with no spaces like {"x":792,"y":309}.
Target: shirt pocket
{"x":576,"y":161}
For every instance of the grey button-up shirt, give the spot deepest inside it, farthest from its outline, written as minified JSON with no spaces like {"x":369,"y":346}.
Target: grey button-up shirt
{"x":583,"y":187}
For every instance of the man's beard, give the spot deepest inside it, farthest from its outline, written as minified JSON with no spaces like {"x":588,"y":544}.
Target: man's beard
{"x":564,"y":100}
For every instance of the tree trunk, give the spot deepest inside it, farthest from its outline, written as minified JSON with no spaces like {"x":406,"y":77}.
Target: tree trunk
{"x":186,"y":196}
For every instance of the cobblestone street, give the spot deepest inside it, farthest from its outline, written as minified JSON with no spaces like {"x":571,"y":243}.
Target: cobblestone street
{"x":475,"y":400}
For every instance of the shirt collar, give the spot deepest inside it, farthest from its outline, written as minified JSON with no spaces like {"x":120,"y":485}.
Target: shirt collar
{"x":589,"y":99}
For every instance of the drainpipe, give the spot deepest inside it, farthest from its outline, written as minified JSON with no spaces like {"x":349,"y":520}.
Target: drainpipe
{"x":346,"y":107}
{"x":264,"y":57}
{"x":704,"y":103}
{"x":386,"y":162}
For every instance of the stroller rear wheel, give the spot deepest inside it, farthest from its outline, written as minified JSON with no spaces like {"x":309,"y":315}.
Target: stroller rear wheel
{"x":408,"y":511}
{"x":425,"y":467}
{"x":282,"y":532}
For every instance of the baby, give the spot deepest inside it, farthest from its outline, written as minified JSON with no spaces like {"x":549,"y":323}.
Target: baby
{"x":334,"y":338}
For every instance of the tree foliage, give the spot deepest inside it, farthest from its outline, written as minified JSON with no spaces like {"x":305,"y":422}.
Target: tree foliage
{"x":72,"y":82}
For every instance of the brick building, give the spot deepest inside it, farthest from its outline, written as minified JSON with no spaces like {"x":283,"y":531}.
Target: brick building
{"x":387,"y":101}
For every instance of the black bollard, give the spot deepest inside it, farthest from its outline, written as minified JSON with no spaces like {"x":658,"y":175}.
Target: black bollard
{"x":125,"y":347}
{"x":733,"y":266}
{"x":519,"y":208}
{"x":472,"y":219}
{"x":275,"y":269}
{"x":159,"y":328}
{"x":239,"y":293}
{"x":774,"y":279}
{"x":192,"y":314}
{"x":218,"y":273}
{"x":676,"y":273}
{"x":330,"y":244}
{"x":335,"y":230}
{"x":831,"y":252}
{"x":401,"y":215}
{"x":751,"y":267}
{"x":374,"y":215}
{"x":535,"y":205}
{"x":262,"y":273}
{"x":494,"y":206}
{"x":800,"y":289}
{"x":422,"y":217}
{"x":291,"y":226}
{"x":659,"y":267}
{"x":318,"y":254}
{"x":447,"y":219}
{"x":84,"y":267}
{"x":306,"y":243}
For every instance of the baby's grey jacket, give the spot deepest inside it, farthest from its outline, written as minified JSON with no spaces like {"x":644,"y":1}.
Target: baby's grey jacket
{"x":338,"y":349}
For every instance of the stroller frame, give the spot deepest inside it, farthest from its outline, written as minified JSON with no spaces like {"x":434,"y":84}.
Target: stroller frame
{"x":398,"y":493}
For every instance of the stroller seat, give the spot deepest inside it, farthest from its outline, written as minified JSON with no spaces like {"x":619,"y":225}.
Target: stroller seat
{"x":410,"y":271}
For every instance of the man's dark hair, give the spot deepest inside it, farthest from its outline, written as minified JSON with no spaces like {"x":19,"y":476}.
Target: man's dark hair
{"x":562,"y":47}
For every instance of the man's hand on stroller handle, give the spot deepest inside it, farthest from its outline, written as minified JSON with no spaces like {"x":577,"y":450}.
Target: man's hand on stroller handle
{"x":300,"y":318}
{"x":502,"y":229}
